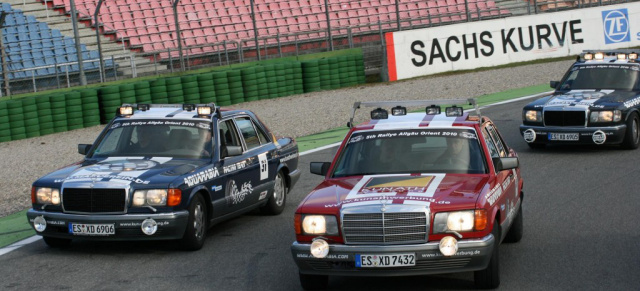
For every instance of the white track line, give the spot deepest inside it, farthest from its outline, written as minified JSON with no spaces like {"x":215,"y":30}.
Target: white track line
{"x":35,"y":238}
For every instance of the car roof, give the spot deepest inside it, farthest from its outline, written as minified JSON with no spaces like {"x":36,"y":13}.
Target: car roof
{"x":419,"y":120}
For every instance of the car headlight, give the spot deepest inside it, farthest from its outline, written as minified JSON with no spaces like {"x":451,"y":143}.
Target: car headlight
{"x":460,"y":221}
{"x":320,"y":225}
{"x":533,"y":115}
{"x":150,"y":197}
{"x":605,"y":116}
{"x":48,"y":196}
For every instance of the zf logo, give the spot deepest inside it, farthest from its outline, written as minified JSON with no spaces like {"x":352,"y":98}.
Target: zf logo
{"x":616,"y":26}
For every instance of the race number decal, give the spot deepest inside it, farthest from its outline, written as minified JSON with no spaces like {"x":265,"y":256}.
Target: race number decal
{"x":264,"y":166}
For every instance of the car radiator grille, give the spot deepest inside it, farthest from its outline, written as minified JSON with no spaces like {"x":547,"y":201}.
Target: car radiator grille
{"x":385,"y":228}
{"x":87,"y":200}
{"x":564,"y":118}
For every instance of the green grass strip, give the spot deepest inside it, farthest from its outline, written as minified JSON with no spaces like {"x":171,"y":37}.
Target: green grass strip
{"x":15,"y":227}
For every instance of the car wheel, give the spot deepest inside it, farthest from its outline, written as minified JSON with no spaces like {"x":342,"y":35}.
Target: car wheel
{"x":489,"y":278}
{"x":197,"y":225}
{"x":515,"y":232}
{"x":314,"y":282}
{"x":55,"y":242}
{"x":277,"y":201}
{"x":632,"y":135}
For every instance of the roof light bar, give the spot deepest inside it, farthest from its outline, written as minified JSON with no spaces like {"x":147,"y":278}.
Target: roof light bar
{"x":423,"y":103}
{"x":598,"y":56}
{"x":379,"y":113}
{"x":204,"y":110}
{"x":398,"y":110}
{"x":143,"y":107}
{"x":188,"y":107}
{"x":433,"y":110}
{"x":454,"y":111}
{"x":633,"y":56}
{"x":125,"y":110}
{"x":588,"y":56}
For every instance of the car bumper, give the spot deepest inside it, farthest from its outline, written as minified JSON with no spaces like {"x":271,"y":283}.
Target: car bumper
{"x":472,"y":255}
{"x":586,"y":135}
{"x":127,"y":226}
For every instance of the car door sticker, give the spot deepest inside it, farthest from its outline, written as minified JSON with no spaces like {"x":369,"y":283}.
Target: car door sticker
{"x":234,"y":195}
{"x":235,"y":167}
{"x":264,"y":166}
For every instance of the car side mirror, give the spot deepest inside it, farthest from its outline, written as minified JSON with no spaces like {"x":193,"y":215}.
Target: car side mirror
{"x":234,"y":151}
{"x":502,"y":164}
{"x":83,"y":149}
{"x":554,"y":84}
{"x":319,"y":168}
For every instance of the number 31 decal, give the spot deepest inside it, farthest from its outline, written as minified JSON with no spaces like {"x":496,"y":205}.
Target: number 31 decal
{"x":264,"y":166}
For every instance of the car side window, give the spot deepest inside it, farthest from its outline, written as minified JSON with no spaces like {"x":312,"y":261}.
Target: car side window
{"x":261,"y":135}
{"x":492,"y":146}
{"x":228,"y":137}
{"x":502,"y":150}
{"x":248,"y":132}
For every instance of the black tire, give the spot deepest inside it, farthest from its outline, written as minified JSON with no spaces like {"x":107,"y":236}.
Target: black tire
{"x":517,"y":228}
{"x":55,"y":242}
{"x":314,"y":282}
{"x":278,"y":199}
{"x":489,"y":278}
{"x":632,"y":135}
{"x":536,"y":146}
{"x":197,"y":225}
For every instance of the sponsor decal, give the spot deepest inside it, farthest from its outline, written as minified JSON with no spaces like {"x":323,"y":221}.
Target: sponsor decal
{"x":55,"y":222}
{"x":469,"y":134}
{"x":103,"y":176}
{"x":356,"y":139}
{"x":235,"y":195}
{"x":328,"y":257}
{"x":599,"y":137}
{"x":615,"y":24}
{"x":263,"y":195}
{"x":264,"y":166}
{"x":289,"y":157}
{"x":529,"y":135}
{"x":115,"y":125}
{"x":235,"y":167}
{"x":122,"y":165}
{"x":493,"y":195}
{"x":459,"y":253}
{"x":202,"y":177}
{"x":395,"y":189}
{"x":203,"y":125}
{"x":633,"y":102}
{"x":216,"y":188}
{"x":162,"y":122}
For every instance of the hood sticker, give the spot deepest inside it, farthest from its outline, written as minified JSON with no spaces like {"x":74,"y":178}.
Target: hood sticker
{"x":397,"y":189}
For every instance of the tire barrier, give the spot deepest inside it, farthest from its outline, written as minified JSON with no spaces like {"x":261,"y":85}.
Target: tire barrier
{"x":58,"y":112}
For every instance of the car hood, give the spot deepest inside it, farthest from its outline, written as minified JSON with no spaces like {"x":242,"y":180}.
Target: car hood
{"x":589,"y":98}
{"x":133,"y":171}
{"x":442,"y":191}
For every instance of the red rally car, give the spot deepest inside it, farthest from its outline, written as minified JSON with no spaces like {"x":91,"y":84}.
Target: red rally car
{"x":412,"y":194}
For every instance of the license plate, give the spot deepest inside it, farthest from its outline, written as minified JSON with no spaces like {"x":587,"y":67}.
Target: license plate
{"x":92,"y":229}
{"x":563,"y":136}
{"x":385,"y":261}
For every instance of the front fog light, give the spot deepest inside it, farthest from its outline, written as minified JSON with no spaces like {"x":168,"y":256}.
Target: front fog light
{"x":319,"y":248}
{"x":40,"y":224}
{"x":149,"y":226}
{"x":448,"y":246}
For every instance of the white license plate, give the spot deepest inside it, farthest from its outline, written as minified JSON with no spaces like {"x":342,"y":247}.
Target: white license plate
{"x":92,"y":229}
{"x":385,"y":261}
{"x":563,"y":136}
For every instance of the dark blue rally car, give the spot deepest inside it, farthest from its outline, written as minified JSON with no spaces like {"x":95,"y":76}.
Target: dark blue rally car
{"x":597,"y":102}
{"x":165,"y":172}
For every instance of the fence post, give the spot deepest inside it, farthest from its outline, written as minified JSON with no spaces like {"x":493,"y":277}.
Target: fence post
{"x":76,"y":36}
{"x":466,"y":10}
{"x":535,"y":6}
{"x":33,"y":79}
{"x":175,"y":18}
{"x":266,"y":50}
{"x":57,"y":74}
{"x":240,"y":52}
{"x":170,"y":60}
{"x":115,"y":73}
{"x":219,"y":55}
{"x":279,"y":44}
{"x":103,"y":77}
{"x":255,"y":29}
{"x":3,"y":55}
{"x":330,"y":39}
{"x":398,"y":15}
{"x":349,"y":37}
{"x":66,"y":68}
{"x":226,"y":51}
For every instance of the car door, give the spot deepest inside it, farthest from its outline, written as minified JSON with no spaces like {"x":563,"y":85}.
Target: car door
{"x":506,"y":178}
{"x":260,"y":151}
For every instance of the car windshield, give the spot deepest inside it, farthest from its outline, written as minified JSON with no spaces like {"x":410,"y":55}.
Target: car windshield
{"x":612,"y":77}
{"x":156,"y":138}
{"x":411,"y":151}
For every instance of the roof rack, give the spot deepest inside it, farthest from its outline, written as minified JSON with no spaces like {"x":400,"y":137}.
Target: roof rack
{"x":357,"y":105}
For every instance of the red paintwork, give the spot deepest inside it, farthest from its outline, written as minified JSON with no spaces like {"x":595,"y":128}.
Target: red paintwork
{"x":461,"y":191}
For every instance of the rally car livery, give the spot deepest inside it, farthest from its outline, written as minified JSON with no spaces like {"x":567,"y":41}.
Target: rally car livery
{"x":597,"y":102}
{"x":165,"y":172}
{"x":411,"y":194}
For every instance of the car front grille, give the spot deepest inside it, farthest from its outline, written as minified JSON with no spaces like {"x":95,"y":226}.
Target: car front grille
{"x":564,"y":118}
{"x":92,"y":200}
{"x":385,"y":228}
